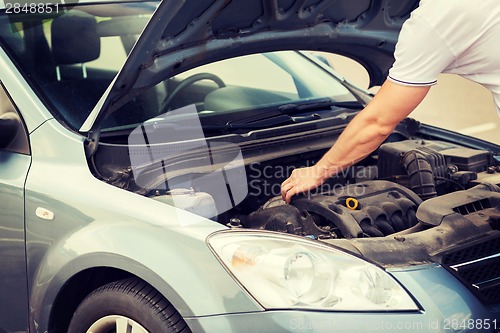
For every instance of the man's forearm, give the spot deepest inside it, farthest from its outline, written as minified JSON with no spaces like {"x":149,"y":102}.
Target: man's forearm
{"x":372,"y":126}
{"x":361,"y":137}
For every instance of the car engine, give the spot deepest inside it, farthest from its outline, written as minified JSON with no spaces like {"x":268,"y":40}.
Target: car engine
{"x":408,"y":173}
{"x":381,"y":208}
{"x":377,"y":198}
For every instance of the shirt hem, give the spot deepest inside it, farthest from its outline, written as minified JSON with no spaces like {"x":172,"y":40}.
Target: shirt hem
{"x":409,"y":83}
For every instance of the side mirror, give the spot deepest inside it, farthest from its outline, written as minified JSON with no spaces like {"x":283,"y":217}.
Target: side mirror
{"x":9,"y":125}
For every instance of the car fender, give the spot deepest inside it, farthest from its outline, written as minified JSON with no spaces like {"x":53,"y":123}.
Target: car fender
{"x":178,"y":265}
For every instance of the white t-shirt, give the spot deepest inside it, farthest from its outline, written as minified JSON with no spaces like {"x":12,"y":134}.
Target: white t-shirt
{"x":450,"y":36}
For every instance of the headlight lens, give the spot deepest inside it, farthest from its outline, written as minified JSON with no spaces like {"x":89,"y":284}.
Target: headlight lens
{"x":282,"y":271}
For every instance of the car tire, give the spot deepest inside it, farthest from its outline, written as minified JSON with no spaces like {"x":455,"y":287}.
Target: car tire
{"x":129,"y":305}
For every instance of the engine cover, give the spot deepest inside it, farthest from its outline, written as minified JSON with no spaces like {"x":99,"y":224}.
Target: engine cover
{"x":368,"y":209}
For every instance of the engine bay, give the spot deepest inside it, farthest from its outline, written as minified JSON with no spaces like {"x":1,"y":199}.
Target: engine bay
{"x":381,"y":199}
{"x":379,"y":196}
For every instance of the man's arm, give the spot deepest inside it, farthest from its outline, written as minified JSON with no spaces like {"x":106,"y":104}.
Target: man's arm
{"x":362,"y":136}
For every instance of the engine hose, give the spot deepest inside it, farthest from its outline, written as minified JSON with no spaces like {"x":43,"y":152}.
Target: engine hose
{"x":420,"y":172}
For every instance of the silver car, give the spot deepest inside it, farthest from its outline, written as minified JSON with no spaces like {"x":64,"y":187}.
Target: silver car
{"x":142,"y":148}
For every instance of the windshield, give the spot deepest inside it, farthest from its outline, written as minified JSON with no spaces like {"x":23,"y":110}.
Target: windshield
{"x":235,"y":89}
{"x":70,"y":55}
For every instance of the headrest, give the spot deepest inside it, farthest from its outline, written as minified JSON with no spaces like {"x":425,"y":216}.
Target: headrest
{"x":74,"y":38}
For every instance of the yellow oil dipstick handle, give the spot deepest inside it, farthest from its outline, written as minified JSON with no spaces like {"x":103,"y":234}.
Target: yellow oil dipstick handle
{"x":351,"y":203}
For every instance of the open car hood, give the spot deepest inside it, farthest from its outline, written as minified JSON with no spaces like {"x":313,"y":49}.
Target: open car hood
{"x":183,"y":34}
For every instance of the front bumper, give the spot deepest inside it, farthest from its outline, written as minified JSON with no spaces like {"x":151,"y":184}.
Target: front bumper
{"x":447,"y":306}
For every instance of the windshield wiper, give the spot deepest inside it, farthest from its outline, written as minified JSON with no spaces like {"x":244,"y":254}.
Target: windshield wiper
{"x":295,"y":108}
{"x":322,"y":104}
{"x":263,"y":123}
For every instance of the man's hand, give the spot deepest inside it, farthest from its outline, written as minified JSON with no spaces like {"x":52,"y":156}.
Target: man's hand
{"x":303,"y":180}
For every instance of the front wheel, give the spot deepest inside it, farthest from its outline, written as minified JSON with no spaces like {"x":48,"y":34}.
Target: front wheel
{"x":126,"y":306}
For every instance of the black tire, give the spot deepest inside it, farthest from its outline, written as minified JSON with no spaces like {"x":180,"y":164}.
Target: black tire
{"x":130,"y":300}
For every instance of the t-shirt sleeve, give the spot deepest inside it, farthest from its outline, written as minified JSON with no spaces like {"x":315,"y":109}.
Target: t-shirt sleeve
{"x":421,"y":54}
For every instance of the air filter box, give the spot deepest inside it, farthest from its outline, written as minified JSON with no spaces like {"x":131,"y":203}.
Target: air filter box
{"x":467,"y":159}
{"x":439,"y":154}
{"x":390,"y":158}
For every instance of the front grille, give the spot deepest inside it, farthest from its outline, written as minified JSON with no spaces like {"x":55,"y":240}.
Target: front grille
{"x":478,"y":267}
{"x":472,"y":252}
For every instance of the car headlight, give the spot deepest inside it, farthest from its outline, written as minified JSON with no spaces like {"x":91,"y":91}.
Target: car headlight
{"x":281,"y":271}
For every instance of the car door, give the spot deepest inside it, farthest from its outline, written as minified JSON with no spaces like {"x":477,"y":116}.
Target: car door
{"x":15,"y":161}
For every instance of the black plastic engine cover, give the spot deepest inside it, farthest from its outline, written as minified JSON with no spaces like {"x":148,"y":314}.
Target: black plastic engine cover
{"x":382,"y":208}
